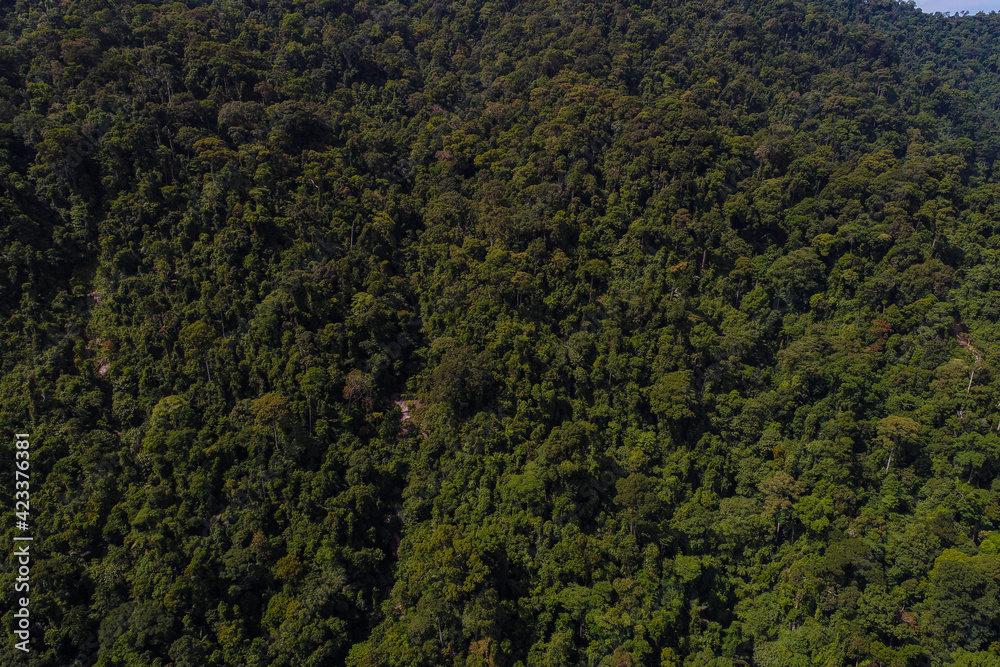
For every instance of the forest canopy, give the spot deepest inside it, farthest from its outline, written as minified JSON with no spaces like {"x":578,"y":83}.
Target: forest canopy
{"x":556,"y":332}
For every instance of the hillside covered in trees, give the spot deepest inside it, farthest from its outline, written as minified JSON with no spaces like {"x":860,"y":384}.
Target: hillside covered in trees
{"x":495,"y":333}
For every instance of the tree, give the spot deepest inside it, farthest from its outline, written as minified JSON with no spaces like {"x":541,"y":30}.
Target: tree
{"x":895,"y":430}
{"x":358,"y":386}
{"x":313,"y":382}
{"x":672,"y":396}
{"x":637,"y":494}
{"x":271,"y":411}
{"x":780,"y":490}
{"x":196,"y":339}
{"x":594,"y":268}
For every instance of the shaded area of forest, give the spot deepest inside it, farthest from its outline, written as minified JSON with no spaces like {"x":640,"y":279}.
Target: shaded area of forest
{"x":494,"y":333}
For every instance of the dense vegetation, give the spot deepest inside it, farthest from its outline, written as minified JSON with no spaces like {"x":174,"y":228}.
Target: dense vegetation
{"x":557,"y":332}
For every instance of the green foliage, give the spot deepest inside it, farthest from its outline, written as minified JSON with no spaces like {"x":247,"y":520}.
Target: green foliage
{"x":525,"y":334}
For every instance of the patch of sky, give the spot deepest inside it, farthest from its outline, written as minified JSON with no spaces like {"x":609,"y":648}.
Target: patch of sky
{"x":958,"y":6}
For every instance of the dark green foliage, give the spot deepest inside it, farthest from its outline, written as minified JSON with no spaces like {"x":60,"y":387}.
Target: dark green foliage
{"x":475,"y":333}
